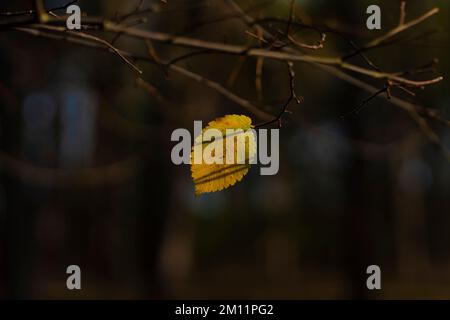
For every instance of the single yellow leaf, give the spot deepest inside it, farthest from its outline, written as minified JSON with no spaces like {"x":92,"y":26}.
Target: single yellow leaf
{"x":212,"y":177}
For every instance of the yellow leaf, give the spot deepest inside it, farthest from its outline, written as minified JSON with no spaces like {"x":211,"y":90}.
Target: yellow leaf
{"x":215,"y":177}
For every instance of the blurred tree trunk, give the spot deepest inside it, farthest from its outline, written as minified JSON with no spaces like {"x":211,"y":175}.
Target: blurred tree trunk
{"x":14,"y":222}
{"x":355,"y":229}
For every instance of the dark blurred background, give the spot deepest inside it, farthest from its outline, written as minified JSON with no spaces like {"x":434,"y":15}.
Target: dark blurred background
{"x":86,"y":176}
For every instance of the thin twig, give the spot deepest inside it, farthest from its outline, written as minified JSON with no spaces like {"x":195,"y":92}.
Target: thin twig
{"x":401,"y":28}
{"x":402,"y":13}
{"x":292,"y":96}
{"x":89,"y":37}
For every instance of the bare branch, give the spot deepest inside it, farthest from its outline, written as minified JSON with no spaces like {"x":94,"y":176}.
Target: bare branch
{"x":399,"y":29}
{"x":283,"y":47}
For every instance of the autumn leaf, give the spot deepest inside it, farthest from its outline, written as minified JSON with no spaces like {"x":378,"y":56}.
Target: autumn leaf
{"x":212,"y":177}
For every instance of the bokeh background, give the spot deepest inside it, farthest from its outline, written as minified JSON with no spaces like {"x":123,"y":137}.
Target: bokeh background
{"x":86,"y":176}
